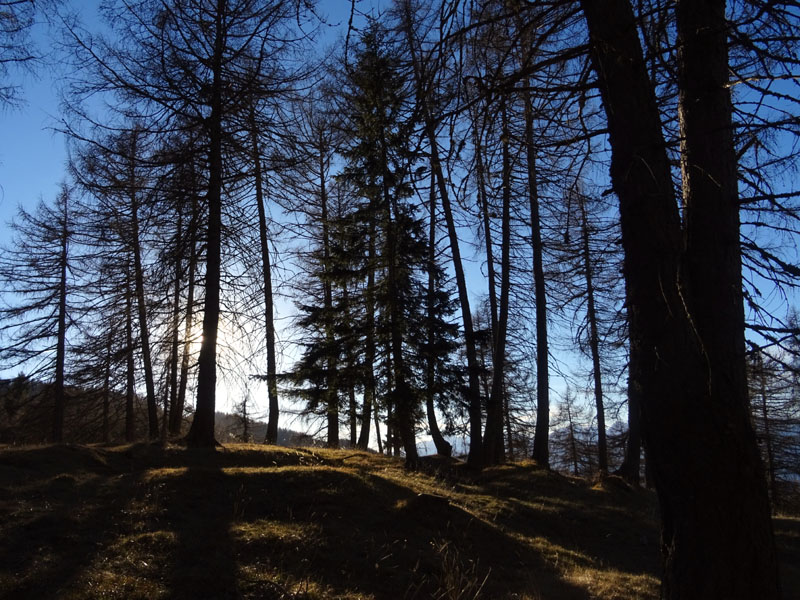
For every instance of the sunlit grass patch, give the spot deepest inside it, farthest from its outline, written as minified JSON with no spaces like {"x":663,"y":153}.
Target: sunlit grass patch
{"x":611,"y":584}
{"x":253,"y":521}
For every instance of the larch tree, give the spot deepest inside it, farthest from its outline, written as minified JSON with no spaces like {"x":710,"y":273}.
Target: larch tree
{"x":198,"y":66}
{"x":37,"y":269}
{"x":429,"y":67}
{"x":684,"y":294}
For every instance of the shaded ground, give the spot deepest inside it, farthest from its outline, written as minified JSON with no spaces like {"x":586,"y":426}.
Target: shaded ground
{"x":249,"y":521}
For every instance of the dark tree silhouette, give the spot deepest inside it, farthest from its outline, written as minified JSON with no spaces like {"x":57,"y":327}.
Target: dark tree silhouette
{"x":685,"y":304}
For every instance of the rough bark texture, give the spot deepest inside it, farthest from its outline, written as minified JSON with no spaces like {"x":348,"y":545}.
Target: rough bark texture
{"x":684,"y":300}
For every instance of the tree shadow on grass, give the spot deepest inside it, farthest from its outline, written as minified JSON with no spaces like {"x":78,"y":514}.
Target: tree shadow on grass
{"x":328,"y":532}
{"x":54,"y":517}
{"x":611,"y":523}
{"x":199,"y":511}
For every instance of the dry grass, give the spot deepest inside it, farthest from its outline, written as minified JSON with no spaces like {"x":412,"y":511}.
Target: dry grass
{"x":250,"y":521}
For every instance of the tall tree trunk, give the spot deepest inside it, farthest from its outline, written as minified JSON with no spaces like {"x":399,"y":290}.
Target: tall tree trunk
{"x":170,"y":406}
{"x":377,"y":431}
{"x":107,"y":386}
{"x":176,"y":416}
{"x":483,"y":207}
{"x":594,"y":341}
{"x":475,"y":456}
{"x":573,"y":445}
{"x":631,"y":464}
{"x":59,"y":394}
{"x":390,"y":412}
{"x":130,"y":387}
{"x":352,"y":414}
{"x":141,"y":303}
{"x":762,"y":381}
{"x":510,"y":447}
{"x":332,"y":392}
{"x":266,"y":278}
{"x":404,"y":400}
{"x":369,"y":349}
{"x":685,"y":304}
{"x":493,"y":451}
{"x":201,"y":432}
{"x":541,"y":437}
{"x":443,"y":447}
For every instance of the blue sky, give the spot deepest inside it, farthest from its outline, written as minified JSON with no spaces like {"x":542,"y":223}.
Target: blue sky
{"x":32,"y":155}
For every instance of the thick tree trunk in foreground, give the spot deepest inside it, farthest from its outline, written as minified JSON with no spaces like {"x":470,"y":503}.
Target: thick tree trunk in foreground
{"x":202,"y":431}
{"x":685,"y":305}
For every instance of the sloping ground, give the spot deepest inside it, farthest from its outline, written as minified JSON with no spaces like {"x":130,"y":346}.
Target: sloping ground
{"x":249,"y":521}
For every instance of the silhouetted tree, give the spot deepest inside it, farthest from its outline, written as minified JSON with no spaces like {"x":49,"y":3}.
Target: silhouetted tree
{"x":35,"y":273}
{"x":683,"y":283}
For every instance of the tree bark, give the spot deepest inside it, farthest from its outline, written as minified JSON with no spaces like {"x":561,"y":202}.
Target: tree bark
{"x":475,"y":455}
{"x":201,"y":432}
{"x":59,"y":394}
{"x":541,"y":436}
{"x":169,"y":408}
{"x":493,"y":450}
{"x":685,"y":305}
{"x":369,"y":350}
{"x":176,"y":416}
{"x":107,"y":386}
{"x":443,"y":447}
{"x":130,"y":387}
{"x":594,"y":341}
{"x":141,"y":304}
{"x":266,"y":277}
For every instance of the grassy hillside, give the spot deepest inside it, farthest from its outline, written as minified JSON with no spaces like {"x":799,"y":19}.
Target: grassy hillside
{"x":274,"y":523}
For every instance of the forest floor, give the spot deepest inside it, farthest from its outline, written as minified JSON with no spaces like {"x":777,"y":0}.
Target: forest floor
{"x":250,"y":521}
